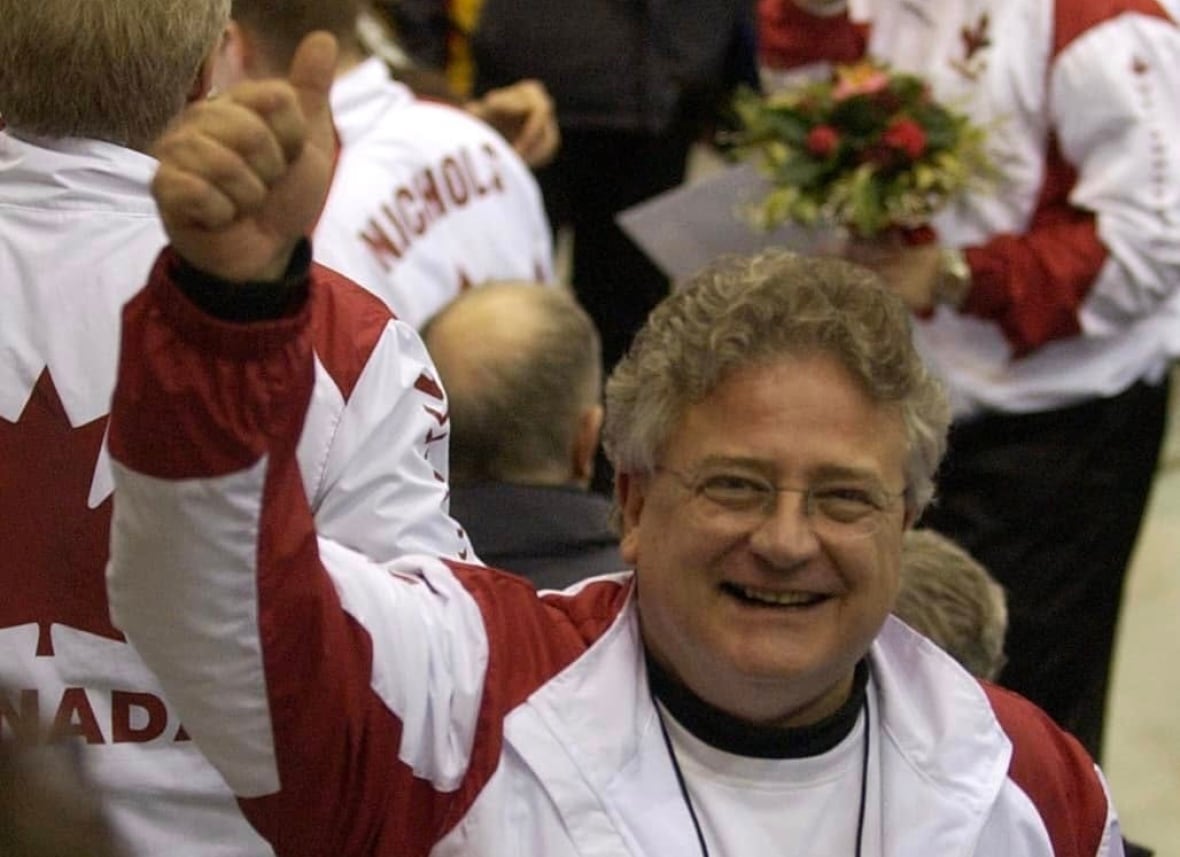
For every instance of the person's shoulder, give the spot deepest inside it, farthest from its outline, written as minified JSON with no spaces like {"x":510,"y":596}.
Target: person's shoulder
{"x":592,"y":605}
{"x":542,"y":633}
{"x":440,"y":117}
{"x":1075,"y":18}
{"x":341,"y":302}
{"x":1053,"y":769}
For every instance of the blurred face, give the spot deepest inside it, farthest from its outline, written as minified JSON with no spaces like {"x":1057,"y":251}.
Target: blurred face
{"x":767,"y":543}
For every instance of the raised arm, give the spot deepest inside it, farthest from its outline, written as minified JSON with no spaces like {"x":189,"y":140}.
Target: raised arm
{"x":338,"y":698}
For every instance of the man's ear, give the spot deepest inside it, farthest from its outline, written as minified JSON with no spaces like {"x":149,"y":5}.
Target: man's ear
{"x":911,"y":517}
{"x":236,"y":58}
{"x":586,"y":444}
{"x":630,"y":494}
{"x":204,"y":81}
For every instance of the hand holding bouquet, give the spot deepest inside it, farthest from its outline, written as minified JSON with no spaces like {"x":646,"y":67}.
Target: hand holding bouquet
{"x":868,"y":150}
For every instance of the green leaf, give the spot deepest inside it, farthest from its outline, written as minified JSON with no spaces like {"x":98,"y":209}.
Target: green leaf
{"x":865,"y":200}
{"x":858,"y":116}
{"x":800,"y":173}
{"x":788,"y":127}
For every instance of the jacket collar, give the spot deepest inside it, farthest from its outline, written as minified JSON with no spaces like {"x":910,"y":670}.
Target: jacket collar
{"x":363,"y":97}
{"x":945,"y":755}
{"x":590,"y":735}
{"x":75,"y":174}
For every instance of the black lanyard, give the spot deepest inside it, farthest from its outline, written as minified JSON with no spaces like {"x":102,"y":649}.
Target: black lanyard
{"x":692,"y":813}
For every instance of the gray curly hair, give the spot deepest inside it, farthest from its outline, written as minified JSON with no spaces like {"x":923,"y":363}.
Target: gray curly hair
{"x":742,"y":311}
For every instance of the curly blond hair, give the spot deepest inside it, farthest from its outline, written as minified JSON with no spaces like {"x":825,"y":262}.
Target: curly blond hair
{"x":742,"y":311}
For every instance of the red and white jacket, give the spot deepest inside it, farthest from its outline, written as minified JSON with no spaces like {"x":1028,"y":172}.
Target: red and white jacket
{"x":78,"y":234}
{"x":1075,"y":255}
{"x":422,"y":707}
{"x":426,"y":200}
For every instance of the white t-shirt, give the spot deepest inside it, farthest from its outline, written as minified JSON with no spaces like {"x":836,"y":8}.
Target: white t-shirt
{"x":795,"y":807}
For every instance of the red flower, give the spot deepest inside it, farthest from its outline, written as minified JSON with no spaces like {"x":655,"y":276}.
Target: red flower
{"x":907,"y":136}
{"x":822,"y":140}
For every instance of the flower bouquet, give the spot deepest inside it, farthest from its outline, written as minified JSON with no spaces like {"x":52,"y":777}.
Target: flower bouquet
{"x":868,"y":150}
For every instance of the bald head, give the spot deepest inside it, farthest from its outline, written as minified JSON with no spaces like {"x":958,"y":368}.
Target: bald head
{"x":520,"y":363}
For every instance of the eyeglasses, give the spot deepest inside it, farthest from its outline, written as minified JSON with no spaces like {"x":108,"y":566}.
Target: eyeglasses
{"x":839,"y":509}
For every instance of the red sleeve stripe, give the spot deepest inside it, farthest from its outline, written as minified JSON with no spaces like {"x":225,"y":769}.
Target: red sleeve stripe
{"x":353,"y":795}
{"x":788,"y":37}
{"x":1033,"y":285}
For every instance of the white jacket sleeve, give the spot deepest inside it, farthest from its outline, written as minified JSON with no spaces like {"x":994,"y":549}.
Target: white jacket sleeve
{"x":1113,"y":102}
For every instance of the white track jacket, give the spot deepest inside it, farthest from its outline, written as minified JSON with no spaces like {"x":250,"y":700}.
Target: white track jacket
{"x":78,"y":234}
{"x":426,"y":200}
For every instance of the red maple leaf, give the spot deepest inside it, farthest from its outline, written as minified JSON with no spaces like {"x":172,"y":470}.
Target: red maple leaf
{"x":54,"y":546}
{"x":976,"y":38}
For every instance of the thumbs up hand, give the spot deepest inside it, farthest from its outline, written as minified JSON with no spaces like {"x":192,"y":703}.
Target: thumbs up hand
{"x":243,"y":176}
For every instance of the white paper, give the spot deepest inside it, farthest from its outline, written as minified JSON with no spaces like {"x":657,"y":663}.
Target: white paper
{"x":684,"y":229}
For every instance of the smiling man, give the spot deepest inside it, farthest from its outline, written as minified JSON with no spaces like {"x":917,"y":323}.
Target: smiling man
{"x":743,"y":692}
{"x":768,"y":538}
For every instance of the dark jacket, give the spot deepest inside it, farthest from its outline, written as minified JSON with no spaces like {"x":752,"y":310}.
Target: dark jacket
{"x":609,"y":64}
{"x":553,"y":535}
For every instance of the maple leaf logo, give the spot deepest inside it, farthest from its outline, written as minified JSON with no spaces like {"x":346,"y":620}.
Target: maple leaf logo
{"x":975,"y":40}
{"x":55,"y":545}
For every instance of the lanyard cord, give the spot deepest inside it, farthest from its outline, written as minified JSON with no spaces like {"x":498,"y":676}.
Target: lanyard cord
{"x":864,"y":782}
{"x":692,"y":813}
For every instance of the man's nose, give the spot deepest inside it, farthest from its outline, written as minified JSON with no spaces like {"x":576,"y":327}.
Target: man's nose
{"x":787,"y":533}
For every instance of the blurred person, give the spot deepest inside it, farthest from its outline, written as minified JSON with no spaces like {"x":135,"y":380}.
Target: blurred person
{"x":634,"y":84}
{"x":774,"y":434}
{"x":1050,"y":303}
{"x":439,"y":36}
{"x":949,"y":597}
{"x":85,"y":88}
{"x":426,"y":200}
{"x":522,"y":368}
{"x":522,"y":112}
{"x":49,"y":807}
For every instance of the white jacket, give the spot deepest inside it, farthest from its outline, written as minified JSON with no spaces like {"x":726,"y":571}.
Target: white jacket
{"x":417,"y":707}
{"x":426,"y":200}
{"x":78,"y":234}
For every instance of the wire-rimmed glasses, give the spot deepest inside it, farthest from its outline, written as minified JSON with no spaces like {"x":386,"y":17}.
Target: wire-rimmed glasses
{"x":840,"y":508}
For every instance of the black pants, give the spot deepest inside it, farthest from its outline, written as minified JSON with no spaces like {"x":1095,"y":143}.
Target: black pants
{"x":597,"y":174}
{"x":1051,"y":504}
